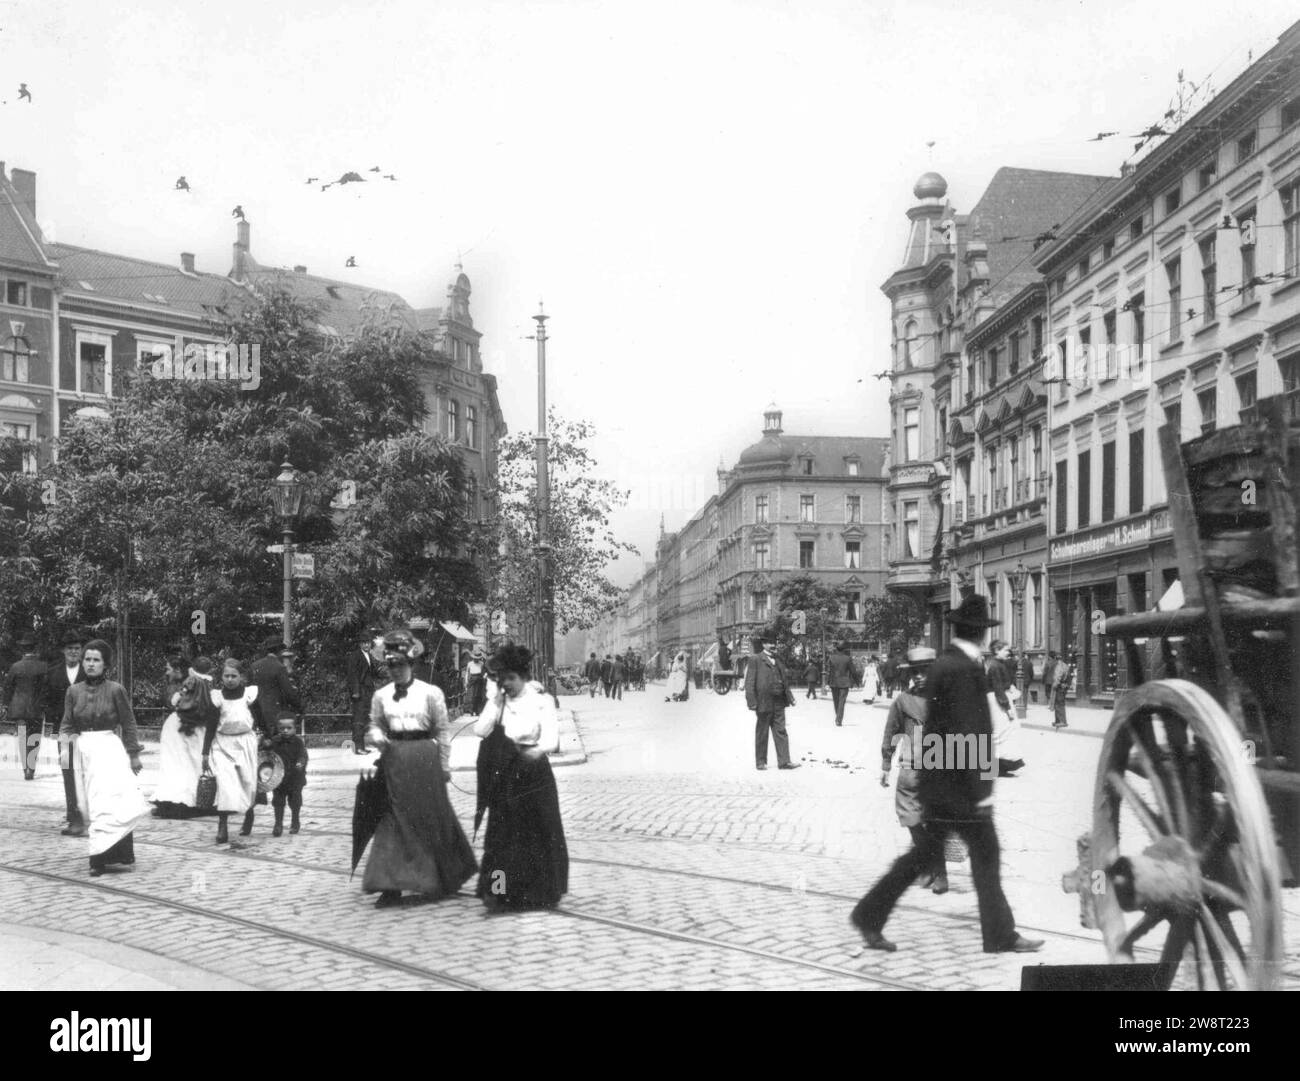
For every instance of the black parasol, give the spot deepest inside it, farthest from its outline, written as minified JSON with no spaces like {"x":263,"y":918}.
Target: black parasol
{"x":371,"y":806}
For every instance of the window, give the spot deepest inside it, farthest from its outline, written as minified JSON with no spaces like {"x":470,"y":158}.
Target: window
{"x":471,"y":497}
{"x":1036,"y":610}
{"x":912,"y":530}
{"x":1290,"y":369}
{"x":453,"y":420}
{"x":1291,"y":114}
{"x":760,"y":606}
{"x":911,"y":434}
{"x":1109,"y":481}
{"x":1174,"y":275}
{"x":1084,"y":266}
{"x":24,"y":460}
{"x":1108,"y":324}
{"x":1062,"y":494}
{"x":1137,"y":308}
{"x":1108,"y":249}
{"x":806,"y":506}
{"x":852,"y":467}
{"x":471,"y":426}
{"x":909,"y":337}
{"x":1137,"y":592}
{"x":14,"y":361}
{"x":1209,"y":279}
{"x":762,"y":555}
{"x":852,"y":555}
{"x":853,"y":606}
{"x":1084,"y":488}
{"x":1173,"y":200}
{"x":993,"y":596}
{"x":1174,"y":416}
{"x":853,"y":508}
{"x":1135,"y":229}
{"x":1036,"y":336}
{"x":16,"y":293}
{"x":1246,"y":146}
{"x":1013,"y":361}
{"x":1058,"y":286}
{"x":1062,"y":370}
{"x":970,"y":379}
{"x":806,"y":466}
{"x":993,"y":368}
{"x":1136,"y":471}
{"x":1246,"y":236}
{"x":1207,"y":174}
{"x":92,"y":367}
{"x":1208,"y":400}
{"x":760,"y":508}
{"x":1082,"y":376}
{"x":1036,"y":434}
{"x":1246,"y":395}
{"x":1291,"y":228}
{"x":807,"y":555}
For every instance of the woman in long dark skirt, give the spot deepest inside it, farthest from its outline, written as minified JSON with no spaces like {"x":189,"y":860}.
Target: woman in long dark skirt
{"x":419,"y":845}
{"x":525,"y":859}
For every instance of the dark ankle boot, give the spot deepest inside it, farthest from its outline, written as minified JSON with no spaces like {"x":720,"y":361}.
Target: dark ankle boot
{"x":294,"y":826}
{"x":223,"y":837}
{"x":278,"y":829}
{"x":247,"y":827}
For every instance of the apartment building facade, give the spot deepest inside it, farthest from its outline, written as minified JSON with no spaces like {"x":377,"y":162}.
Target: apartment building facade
{"x":1175,"y":299}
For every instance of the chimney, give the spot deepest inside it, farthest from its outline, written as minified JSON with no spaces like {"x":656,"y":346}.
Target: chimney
{"x":241,"y":253}
{"x":24,"y":182}
{"x":187,"y":262}
{"x":1127,"y":169}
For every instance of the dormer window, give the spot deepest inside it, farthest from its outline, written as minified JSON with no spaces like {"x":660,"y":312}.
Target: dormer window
{"x":806,"y":466}
{"x":16,"y":293}
{"x":853,"y":467}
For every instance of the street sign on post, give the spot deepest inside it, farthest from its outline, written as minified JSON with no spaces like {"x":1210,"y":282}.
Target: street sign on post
{"x":275,"y":549}
{"x":799,"y":623}
{"x":304,"y":566}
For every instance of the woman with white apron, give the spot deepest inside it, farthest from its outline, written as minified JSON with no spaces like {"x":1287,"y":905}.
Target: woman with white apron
{"x":230,"y":748}
{"x":104,"y":765}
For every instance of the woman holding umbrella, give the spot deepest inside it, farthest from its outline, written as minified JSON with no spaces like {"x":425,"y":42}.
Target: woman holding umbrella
{"x":418,"y":843}
{"x":525,"y":858}
{"x":104,"y":766}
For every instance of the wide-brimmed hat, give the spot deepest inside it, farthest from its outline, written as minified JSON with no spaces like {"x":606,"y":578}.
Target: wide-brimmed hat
{"x":402,"y":644}
{"x":27,"y":641}
{"x":72,"y":638}
{"x":920,"y":657}
{"x":270,"y":771}
{"x":973,"y":612}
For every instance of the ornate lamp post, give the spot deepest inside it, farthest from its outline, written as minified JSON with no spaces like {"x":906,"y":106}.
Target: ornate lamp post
{"x":1019,"y":579}
{"x":822,"y":666}
{"x":545,"y":560}
{"x":287,"y":492}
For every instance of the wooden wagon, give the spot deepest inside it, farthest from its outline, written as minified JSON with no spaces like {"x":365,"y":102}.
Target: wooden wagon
{"x":1196,"y":809}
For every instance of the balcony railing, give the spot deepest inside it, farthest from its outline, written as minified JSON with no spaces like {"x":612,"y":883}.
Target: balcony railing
{"x":1024,"y":489}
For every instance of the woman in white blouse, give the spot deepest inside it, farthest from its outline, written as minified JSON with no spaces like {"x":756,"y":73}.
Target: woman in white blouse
{"x":418,"y":845}
{"x":525,"y":859}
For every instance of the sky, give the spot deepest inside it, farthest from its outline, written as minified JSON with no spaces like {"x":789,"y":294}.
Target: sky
{"x":706,"y":195}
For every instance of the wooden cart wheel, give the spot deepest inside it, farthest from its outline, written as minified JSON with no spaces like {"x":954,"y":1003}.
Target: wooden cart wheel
{"x":721,"y":684}
{"x":1183,"y":837}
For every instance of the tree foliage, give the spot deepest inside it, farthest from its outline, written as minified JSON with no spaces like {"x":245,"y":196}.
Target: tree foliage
{"x":582,"y":541}
{"x":804,"y":593}
{"x":894,"y":618}
{"x":168,"y":500}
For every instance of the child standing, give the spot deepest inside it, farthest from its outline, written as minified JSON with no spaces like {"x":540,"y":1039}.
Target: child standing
{"x":293,"y":752}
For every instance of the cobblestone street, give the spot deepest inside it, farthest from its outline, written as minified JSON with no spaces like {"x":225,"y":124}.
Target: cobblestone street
{"x":689,"y":870}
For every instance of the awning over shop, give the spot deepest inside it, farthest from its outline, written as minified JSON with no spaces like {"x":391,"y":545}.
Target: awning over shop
{"x":709,"y":653}
{"x":458,"y":632}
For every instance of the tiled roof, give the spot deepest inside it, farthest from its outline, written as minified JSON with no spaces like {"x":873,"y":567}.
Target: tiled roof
{"x":341,"y":304}
{"x":1017,"y":206}
{"x":128,"y":280}
{"x":828,"y":452}
{"x":20,"y":236}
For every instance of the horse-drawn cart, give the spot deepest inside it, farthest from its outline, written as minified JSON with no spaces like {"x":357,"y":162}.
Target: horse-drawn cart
{"x":1196,"y":808}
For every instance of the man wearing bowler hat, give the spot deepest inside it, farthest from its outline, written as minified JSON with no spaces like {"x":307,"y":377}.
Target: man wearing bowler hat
{"x":276,"y":692}
{"x":60,"y":678}
{"x":956,"y":793}
{"x":24,"y":699}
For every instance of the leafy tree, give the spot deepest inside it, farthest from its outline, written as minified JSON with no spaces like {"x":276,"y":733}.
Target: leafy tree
{"x":894,"y":618}
{"x":807,"y":594}
{"x":583,"y":544}
{"x":168,"y":501}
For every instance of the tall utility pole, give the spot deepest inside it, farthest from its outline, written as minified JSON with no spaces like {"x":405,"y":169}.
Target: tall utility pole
{"x":545,"y":571}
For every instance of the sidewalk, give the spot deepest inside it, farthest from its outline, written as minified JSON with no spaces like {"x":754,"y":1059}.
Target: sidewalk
{"x":37,"y":959}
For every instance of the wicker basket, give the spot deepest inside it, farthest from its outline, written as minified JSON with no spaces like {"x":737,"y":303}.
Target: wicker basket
{"x":954,"y":849}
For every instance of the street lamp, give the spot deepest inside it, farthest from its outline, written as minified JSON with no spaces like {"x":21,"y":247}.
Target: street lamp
{"x":823,"y":659}
{"x":1019,"y":578}
{"x":286,"y":494}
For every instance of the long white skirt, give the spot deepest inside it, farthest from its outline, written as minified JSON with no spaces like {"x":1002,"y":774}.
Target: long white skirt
{"x":180,"y":763}
{"x":1006,"y":735}
{"x":234,"y":764}
{"x":108,"y":793}
{"x":676,"y":682}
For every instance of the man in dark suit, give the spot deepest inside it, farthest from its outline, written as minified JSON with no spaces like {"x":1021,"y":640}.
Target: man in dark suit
{"x":24,"y":701}
{"x":767,"y":693}
{"x":843,"y":675}
{"x":592,"y":672}
{"x":618,"y":676}
{"x":60,"y":678}
{"x":607,"y":674}
{"x":956,"y":797}
{"x":360,"y":670}
{"x":276,"y":693}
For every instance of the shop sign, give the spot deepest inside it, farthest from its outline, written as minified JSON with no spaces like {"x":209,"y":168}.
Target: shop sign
{"x":1111,"y":538}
